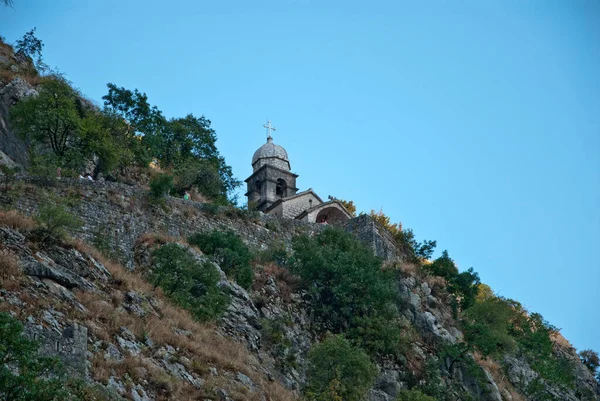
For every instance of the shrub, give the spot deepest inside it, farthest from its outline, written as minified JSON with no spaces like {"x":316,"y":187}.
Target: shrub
{"x":190,"y":284}
{"x":55,"y":220}
{"x":338,"y":371}
{"x":160,"y":186}
{"x":463,"y":286}
{"x":486,"y":327}
{"x":229,"y":252}
{"x":590,"y":359}
{"x":8,"y":175}
{"x":413,"y":395}
{"x":348,"y":288}
{"x":9,"y":270}
{"x":24,"y":374}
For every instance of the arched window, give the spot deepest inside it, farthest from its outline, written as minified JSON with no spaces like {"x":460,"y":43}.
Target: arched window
{"x":281,"y":189}
{"x":258,"y":187}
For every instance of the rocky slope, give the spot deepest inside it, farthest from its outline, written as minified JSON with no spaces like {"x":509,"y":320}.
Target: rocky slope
{"x":86,"y":299}
{"x":141,"y":347}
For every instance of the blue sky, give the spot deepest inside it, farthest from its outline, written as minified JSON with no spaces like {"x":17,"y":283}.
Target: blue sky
{"x":476,"y":123}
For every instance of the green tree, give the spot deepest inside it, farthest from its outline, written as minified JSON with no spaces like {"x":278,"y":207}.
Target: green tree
{"x":187,"y":145}
{"x":338,"y":371}
{"x":463,"y":286}
{"x":52,"y":121}
{"x":229,"y":252}
{"x":30,"y":46}
{"x":192,"y":285}
{"x":590,"y":359}
{"x":24,"y":374}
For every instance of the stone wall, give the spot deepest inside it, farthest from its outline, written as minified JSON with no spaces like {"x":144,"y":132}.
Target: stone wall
{"x":376,"y":236}
{"x":70,"y":345}
{"x":115,"y":215}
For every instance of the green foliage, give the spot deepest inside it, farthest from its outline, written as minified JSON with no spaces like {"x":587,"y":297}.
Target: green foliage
{"x":413,"y":395}
{"x":31,"y":47}
{"x":590,"y":359}
{"x":379,"y":334}
{"x":25,"y":375}
{"x":348,"y":288}
{"x":53,"y":121}
{"x":55,"y":221}
{"x":486,"y":327}
{"x":431,"y":382}
{"x":188,"y":144}
{"x":160,"y":186}
{"x":8,"y":175}
{"x":463,"y":286}
{"x":190,"y":284}
{"x":229,"y":252}
{"x":67,"y":132}
{"x":496,"y":326}
{"x":338,"y":371}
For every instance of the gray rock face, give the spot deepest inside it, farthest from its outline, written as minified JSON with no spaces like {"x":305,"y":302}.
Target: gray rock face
{"x":10,"y":144}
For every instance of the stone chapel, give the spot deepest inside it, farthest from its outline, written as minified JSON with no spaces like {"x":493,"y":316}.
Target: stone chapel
{"x":272,"y":189}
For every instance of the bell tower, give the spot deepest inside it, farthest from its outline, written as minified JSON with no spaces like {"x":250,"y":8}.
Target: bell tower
{"x":271,"y":179}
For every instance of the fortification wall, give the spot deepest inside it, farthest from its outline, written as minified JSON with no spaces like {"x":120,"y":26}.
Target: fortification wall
{"x":115,"y":215}
{"x":70,"y":345}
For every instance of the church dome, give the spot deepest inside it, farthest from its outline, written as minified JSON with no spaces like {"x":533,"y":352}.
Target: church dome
{"x":271,"y":154}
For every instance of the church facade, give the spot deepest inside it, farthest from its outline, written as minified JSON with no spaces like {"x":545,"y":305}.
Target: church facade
{"x":272,"y":189}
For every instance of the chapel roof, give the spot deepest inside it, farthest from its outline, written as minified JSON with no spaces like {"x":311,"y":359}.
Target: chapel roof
{"x":271,"y":153}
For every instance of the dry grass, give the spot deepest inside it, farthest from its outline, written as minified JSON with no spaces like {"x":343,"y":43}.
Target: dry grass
{"x":198,"y":197}
{"x":287,"y":282}
{"x":31,"y":77}
{"x":560,"y":341}
{"x":10,"y":273}
{"x":203,"y":345}
{"x":16,"y":221}
{"x":498,"y":375}
{"x":151,"y":239}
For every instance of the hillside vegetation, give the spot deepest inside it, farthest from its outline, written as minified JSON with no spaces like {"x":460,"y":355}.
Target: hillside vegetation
{"x":201,"y":300}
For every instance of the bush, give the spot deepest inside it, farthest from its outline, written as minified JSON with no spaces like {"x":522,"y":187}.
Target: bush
{"x":486,"y":327}
{"x":463,"y":286}
{"x":229,"y":252}
{"x":413,"y":395}
{"x":348,"y":288}
{"x":24,"y":374}
{"x":190,"y":284}
{"x":338,"y":371}
{"x":160,"y":186}
{"x":8,"y":175}
{"x":55,"y":220}
{"x":590,"y":359}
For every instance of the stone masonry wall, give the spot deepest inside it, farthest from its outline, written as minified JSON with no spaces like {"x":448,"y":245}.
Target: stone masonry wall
{"x":115,"y":215}
{"x":70,"y":345}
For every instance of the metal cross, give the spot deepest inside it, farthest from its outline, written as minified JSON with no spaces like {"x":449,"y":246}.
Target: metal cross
{"x":269,"y":128}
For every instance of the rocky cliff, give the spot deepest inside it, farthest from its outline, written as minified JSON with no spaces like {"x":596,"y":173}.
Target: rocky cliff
{"x":111,"y":327}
